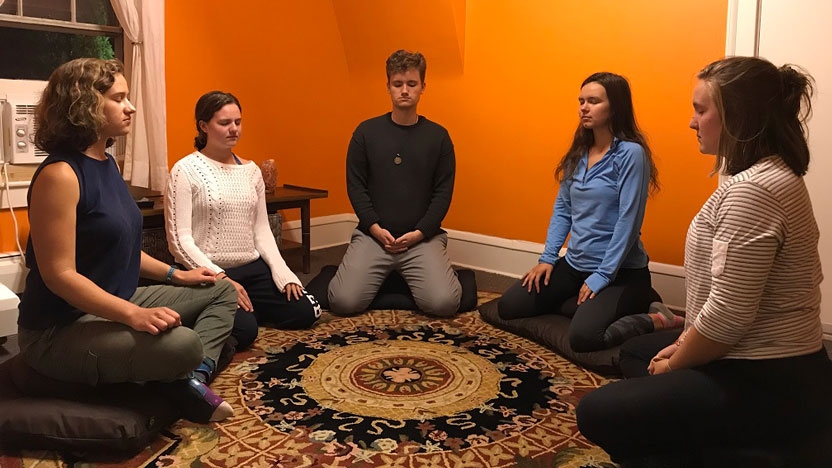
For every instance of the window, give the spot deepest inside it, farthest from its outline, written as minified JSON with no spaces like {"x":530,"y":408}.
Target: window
{"x":39,"y":35}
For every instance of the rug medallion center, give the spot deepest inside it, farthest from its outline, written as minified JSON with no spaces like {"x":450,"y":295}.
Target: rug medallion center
{"x":401,"y":379}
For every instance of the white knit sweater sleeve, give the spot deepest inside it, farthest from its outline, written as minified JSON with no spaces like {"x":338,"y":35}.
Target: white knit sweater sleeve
{"x":178,"y":220}
{"x":266,"y":244}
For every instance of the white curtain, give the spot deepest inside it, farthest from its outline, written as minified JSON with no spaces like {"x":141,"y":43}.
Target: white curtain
{"x":146,"y":156}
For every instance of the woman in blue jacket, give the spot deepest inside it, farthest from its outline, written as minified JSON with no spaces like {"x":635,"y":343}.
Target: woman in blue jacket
{"x":605,"y":179}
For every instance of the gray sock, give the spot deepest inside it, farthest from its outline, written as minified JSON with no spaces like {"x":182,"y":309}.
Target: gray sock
{"x":667,"y":317}
{"x":627,"y":327}
{"x":660,"y":308}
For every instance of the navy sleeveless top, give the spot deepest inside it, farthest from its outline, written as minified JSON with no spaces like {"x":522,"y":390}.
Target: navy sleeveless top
{"x":108,"y":241}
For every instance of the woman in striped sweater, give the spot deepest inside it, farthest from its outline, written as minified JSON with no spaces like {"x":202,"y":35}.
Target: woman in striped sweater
{"x":749,"y":370}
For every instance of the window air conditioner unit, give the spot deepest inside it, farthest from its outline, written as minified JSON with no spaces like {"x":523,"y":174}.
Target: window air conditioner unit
{"x":19,"y":133}
{"x":18,"y":99}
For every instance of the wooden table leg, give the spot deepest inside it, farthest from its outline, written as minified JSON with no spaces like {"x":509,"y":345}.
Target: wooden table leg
{"x":306,"y":237}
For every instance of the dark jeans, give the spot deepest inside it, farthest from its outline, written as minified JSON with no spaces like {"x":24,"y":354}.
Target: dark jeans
{"x":630,"y":293}
{"x":270,"y":305}
{"x":728,"y":403}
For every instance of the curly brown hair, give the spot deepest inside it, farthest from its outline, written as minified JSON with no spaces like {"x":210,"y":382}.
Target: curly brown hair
{"x":69,"y":115}
{"x":401,"y":61}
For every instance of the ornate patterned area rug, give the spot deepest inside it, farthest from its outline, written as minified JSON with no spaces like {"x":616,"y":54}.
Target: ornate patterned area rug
{"x":389,"y":389}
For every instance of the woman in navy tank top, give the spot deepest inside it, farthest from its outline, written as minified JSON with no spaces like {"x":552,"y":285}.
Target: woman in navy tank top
{"x":83,"y":317}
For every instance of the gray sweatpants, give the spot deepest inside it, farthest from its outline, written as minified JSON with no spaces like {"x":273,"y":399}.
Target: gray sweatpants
{"x":94,"y":350}
{"x":426,"y":267}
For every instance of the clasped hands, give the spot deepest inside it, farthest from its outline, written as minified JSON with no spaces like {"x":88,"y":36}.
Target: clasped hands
{"x":392,"y":244}
{"x":660,"y":363}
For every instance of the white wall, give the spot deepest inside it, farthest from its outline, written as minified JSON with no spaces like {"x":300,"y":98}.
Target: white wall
{"x":789,"y":31}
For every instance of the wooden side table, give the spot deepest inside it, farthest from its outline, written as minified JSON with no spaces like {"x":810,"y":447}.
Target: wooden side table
{"x":295,"y":196}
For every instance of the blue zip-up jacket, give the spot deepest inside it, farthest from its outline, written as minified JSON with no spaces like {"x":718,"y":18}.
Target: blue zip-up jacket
{"x":602,"y":210}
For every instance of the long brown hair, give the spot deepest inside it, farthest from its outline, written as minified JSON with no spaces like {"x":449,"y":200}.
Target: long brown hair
{"x":70,"y":112}
{"x":622,"y":121}
{"x":763,"y":109}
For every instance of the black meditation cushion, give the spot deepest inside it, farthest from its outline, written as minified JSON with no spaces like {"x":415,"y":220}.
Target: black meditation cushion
{"x":552,"y":331}
{"x":394,"y":293}
{"x":40,"y":413}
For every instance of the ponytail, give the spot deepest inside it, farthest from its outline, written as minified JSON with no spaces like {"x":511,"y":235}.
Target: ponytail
{"x":797,"y":88}
{"x":201,"y":139}
{"x":764,"y":110}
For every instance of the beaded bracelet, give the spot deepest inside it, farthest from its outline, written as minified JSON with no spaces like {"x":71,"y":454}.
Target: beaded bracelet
{"x":169,"y":276}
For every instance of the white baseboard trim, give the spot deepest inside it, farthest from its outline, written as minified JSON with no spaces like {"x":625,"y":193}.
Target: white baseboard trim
{"x":327,"y":231}
{"x":669,"y":282}
{"x":497,"y":255}
{"x":492,"y":254}
{"x":514,"y":258}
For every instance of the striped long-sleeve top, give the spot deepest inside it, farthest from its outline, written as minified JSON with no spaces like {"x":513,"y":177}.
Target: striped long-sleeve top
{"x":752,"y":265}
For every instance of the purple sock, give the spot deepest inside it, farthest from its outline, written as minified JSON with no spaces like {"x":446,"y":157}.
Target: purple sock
{"x":200,"y":404}
{"x":205,"y":393}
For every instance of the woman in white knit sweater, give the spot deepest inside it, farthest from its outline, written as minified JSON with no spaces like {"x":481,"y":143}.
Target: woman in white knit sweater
{"x":215,"y":217}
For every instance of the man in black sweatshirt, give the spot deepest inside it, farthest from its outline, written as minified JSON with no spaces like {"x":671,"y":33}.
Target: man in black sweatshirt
{"x":400,"y":179}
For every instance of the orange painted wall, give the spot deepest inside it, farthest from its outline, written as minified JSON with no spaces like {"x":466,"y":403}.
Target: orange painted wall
{"x":285,"y":63}
{"x":7,"y":241}
{"x":511,"y":111}
{"x":308,"y":72}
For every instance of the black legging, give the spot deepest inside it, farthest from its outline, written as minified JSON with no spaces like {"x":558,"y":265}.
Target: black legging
{"x":733,"y":403}
{"x":270,"y":305}
{"x":636,"y":353}
{"x":630,"y":293}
